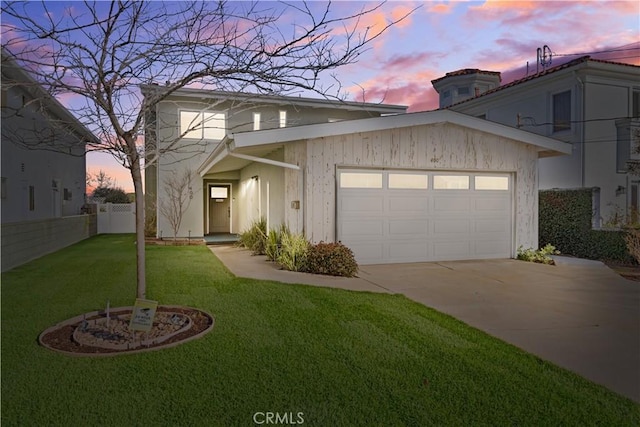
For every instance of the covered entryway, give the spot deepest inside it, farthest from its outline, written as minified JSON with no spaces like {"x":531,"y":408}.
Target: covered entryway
{"x":392,"y":216}
{"x":219,"y":209}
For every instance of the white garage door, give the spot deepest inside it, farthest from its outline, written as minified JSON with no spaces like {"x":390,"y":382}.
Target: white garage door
{"x":388,"y":216}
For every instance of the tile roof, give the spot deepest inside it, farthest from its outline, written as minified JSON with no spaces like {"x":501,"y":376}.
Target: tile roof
{"x":572,"y":63}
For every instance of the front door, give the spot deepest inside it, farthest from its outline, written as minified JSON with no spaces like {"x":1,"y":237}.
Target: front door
{"x":219,"y":209}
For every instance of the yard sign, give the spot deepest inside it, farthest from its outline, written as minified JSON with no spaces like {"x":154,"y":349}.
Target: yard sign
{"x":142,"y":316}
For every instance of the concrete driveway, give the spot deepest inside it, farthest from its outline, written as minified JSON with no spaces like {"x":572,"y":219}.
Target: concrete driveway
{"x":579,"y":315}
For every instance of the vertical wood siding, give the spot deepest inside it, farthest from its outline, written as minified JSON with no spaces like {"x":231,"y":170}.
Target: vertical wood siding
{"x":429,"y":147}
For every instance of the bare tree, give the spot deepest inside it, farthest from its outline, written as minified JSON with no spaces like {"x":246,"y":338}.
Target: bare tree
{"x":179,"y":195}
{"x":100,"y":53}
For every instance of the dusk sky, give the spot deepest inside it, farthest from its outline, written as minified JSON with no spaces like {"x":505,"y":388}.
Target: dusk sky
{"x":444,"y":36}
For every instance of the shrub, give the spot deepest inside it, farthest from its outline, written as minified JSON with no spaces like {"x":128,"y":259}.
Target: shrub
{"x":293,"y":252}
{"x":566,"y":220}
{"x":542,"y":255}
{"x":255,"y":238}
{"x":632,"y":239}
{"x":334,"y":259}
{"x":274,"y":242}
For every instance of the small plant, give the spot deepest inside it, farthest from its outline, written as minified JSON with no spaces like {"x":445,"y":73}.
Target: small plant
{"x":293,"y":253}
{"x":632,"y":239}
{"x":274,"y":242}
{"x":334,"y":259}
{"x":542,"y":255}
{"x":255,"y":238}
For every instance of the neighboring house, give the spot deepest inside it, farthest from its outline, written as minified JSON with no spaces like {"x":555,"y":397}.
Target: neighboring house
{"x":592,"y":104}
{"x":188,"y":126}
{"x":43,"y":169}
{"x":398,"y":188}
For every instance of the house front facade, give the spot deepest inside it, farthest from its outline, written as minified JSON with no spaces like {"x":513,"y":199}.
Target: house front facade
{"x":394,"y":188}
{"x":593,"y":105}
{"x":186,"y":129}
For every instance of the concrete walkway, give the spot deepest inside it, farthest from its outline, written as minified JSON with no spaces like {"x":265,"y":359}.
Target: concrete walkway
{"x":579,"y":315}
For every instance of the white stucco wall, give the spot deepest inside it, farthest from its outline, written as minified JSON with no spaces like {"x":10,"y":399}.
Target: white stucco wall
{"x":431,"y":147}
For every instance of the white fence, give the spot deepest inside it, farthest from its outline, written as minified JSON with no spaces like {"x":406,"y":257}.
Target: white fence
{"x":116,"y":218}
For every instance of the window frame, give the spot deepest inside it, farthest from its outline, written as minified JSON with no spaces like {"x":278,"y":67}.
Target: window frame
{"x":560,"y":119}
{"x":202,"y":128}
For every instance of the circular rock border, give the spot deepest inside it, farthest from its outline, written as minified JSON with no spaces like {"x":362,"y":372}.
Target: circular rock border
{"x":59,"y":338}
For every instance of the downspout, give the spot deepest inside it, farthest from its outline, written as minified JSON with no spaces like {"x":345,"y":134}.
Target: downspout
{"x":583,"y":125}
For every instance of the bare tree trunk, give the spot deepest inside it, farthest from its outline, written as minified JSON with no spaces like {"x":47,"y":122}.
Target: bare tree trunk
{"x":136,"y":175}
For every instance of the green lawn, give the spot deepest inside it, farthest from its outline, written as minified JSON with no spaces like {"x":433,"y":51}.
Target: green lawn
{"x":339,"y":358}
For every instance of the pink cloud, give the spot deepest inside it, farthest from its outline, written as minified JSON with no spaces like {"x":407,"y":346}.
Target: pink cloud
{"x":440,"y":8}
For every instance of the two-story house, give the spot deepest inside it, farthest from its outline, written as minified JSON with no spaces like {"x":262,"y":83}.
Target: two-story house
{"x":393,"y":187}
{"x":592,"y":104}
{"x":187,"y":127}
{"x":43,"y":169}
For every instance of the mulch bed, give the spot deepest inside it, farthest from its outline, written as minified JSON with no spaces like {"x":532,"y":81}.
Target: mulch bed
{"x":60,"y":337}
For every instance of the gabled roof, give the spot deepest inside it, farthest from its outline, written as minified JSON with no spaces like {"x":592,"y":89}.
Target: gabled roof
{"x":14,"y":74}
{"x":280,"y":100}
{"x":259,"y":143}
{"x":582,"y":61}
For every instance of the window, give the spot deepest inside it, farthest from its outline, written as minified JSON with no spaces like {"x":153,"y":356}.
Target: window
{"x":463,"y":90}
{"x":491,"y":183}
{"x":283,"y":118}
{"x":451,"y":182}
{"x":201,"y":125}
{"x":562,"y":111}
{"x":256,"y":121}
{"x":67,"y":194}
{"x":219,"y":192}
{"x":408,"y":181}
{"x":32,"y":198}
{"x":446,"y":94}
{"x":360,"y":180}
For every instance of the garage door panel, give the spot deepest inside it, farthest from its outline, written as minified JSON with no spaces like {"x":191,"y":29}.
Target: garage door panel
{"x":408,"y":227}
{"x":408,"y":251}
{"x":451,"y":226}
{"x":498,"y":225}
{"x":357,"y":204}
{"x":491,"y":204}
{"x":367,"y":228}
{"x":450,"y":204}
{"x":407,"y":205}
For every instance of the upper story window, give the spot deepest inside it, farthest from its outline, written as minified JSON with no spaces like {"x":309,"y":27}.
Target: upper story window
{"x":463,"y":90}
{"x":202,"y":125}
{"x":256,"y":121}
{"x":562,"y":111}
{"x":446,"y":94}
{"x":283,"y":118}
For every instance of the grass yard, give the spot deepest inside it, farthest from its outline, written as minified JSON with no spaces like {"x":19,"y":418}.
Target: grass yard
{"x":325,"y":357}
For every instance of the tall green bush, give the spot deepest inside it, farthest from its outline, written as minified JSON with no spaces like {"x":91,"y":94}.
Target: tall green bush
{"x":255,"y":238}
{"x":565,"y":221}
{"x":293,"y":254}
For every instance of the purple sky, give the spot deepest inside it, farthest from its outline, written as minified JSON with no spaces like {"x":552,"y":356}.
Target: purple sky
{"x":444,"y":36}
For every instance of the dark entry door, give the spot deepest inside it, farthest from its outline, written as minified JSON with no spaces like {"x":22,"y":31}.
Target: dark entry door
{"x":219,"y":209}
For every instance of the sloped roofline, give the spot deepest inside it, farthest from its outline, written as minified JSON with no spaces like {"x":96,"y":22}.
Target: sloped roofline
{"x":277,"y":136}
{"x":280,"y":99}
{"x":22,"y":78}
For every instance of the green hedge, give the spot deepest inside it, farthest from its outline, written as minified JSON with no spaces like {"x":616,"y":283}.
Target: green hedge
{"x":565,"y":222}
